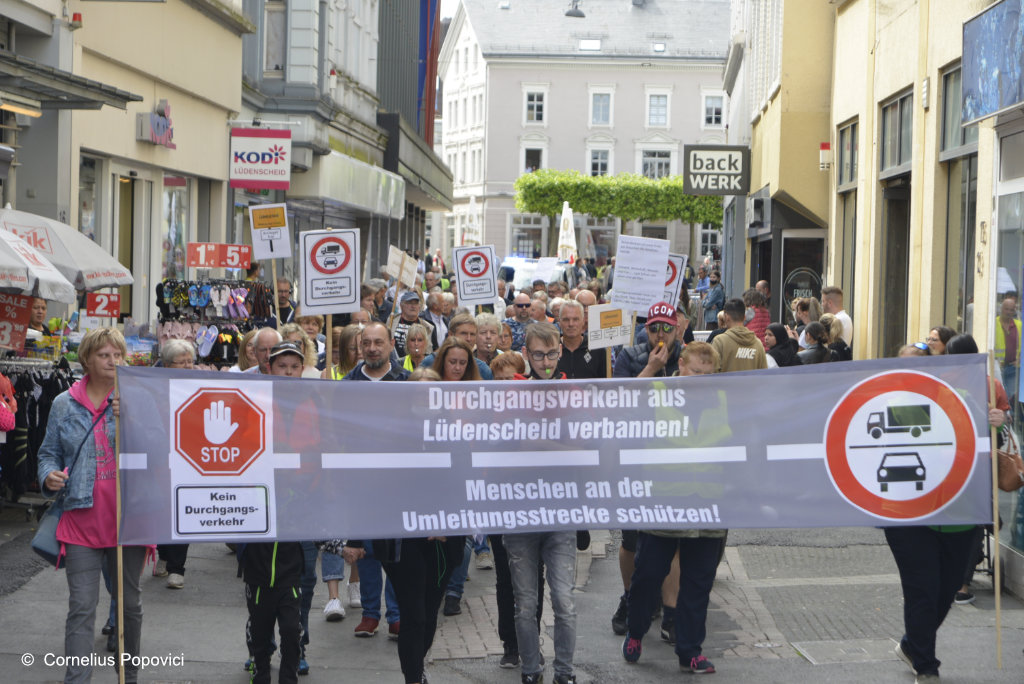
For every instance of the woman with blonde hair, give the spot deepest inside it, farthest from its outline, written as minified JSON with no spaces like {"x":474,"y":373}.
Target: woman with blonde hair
{"x":417,"y":343}
{"x":346,"y":347}
{"x":246,"y":352}
{"x":293,"y":332}
{"x":834,"y":328}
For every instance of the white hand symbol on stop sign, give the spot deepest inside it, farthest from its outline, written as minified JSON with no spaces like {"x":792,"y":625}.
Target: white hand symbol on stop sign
{"x":217,"y":425}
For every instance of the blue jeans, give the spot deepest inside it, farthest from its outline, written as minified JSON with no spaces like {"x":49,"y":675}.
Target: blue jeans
{"x":371,"y":579}
{"x":306,"y":586}
{"x":558,"y":551}
{"x":456,"y":585}
{"x":332,"y":567}
{"x":698,"y":562}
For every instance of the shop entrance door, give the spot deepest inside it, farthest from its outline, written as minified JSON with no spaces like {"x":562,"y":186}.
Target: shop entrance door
{"x":132,"y":213}
{"x":895,"y":255}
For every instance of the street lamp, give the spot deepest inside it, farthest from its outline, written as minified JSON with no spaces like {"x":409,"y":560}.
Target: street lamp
{"x":575,"y":10}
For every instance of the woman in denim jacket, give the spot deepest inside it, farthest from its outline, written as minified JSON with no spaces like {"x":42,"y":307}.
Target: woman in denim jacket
{"x":78,"y":454}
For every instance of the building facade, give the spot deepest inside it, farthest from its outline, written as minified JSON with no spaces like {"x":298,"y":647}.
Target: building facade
{"x":620,"y":90}
{"x":143,"y":179}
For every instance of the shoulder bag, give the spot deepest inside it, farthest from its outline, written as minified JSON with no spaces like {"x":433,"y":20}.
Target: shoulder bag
{"x":1010,"y":465}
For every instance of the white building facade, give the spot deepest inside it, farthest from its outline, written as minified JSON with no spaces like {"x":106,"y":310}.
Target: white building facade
{"x":620,"y":90}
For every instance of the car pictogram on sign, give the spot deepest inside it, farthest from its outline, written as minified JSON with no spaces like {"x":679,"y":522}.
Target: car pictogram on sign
{"x":901,"y":467}
{"x":219,"y":431}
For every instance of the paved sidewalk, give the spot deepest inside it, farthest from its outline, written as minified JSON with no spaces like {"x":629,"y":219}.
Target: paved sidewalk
{"x":782,"y":602}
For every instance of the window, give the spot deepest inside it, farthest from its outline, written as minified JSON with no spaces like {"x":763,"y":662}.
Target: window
{"x":534,"y":159}
{"x":601,"y":109}
{"x":846,"y":209}
{"x":656,"y":163}
{"x":897,"y":135}
{"x":175,"y":228}
{"x":710,"y":242}
{"x":713,"y":111}
{"x":599,"y":162}
{"x":954,"y":135}
{"x":274,"y":37}
{"x":657,"y":110}
{"x":535,"y":107}
{"x":847,"y":167}
{"x":590,"y":44}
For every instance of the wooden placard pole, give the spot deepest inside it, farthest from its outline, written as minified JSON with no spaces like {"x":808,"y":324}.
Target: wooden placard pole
{"x":608,"y":362}
{"x":997,"y":570}
{"x":329,"y":334}
{"x":277,"y":306}
{"x":398,"y":288}
{"x":119,"y":579}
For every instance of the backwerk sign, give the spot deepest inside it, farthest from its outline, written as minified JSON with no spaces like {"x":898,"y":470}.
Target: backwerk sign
{"x":716,"y":169}
{"x":865,"y":443}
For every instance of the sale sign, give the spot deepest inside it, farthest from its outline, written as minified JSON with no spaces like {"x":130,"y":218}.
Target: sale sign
{"x":103,"y":305}
{"x":217,"y":255}
{"x":14,"y":315}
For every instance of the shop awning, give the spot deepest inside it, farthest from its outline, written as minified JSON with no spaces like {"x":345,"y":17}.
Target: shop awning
{"x":53,"y":88}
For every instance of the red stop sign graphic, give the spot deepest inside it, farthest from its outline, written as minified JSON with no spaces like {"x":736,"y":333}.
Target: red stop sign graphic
{"x":219,"y":431}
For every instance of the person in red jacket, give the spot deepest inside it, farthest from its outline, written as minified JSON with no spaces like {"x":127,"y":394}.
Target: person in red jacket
{"x":754,"y":301}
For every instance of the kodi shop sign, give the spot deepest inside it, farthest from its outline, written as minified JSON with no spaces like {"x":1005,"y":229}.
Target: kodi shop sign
{"x":261,"y":158}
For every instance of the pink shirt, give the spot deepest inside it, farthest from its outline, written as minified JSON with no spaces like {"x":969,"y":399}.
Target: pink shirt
{"x":94,"y":527}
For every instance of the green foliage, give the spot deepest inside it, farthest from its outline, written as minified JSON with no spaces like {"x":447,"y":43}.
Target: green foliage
{"x":628,"y":196}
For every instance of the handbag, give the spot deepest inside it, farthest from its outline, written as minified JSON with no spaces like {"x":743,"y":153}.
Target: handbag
{"x":1010,"y":466}
{"x":45,"y":541}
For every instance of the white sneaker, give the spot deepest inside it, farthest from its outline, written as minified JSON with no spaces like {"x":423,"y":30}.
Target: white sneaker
{"x":484,"y":561}
{"x":334,"y":611}
{"x":354,"y":599}
{"x":175,"y":581}
{"x":161,"y":569}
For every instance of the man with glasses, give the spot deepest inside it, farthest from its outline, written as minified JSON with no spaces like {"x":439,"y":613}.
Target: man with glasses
{"x":285,"y":304}
{"x":557,"y":550}
{"x":519,"y":320}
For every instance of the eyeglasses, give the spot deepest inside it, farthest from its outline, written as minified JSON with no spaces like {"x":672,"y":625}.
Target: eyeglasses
{"x":661,"y":327}
{"x":523,"y":306}
{"x":540,"y":356}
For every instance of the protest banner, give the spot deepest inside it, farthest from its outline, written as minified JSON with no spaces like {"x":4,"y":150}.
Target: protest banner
{"x":329,"y":271}
{"x":867,"y":443}
{"x":640,"y":267}
{"x":271,"y":238}
{"x":401,"y":267}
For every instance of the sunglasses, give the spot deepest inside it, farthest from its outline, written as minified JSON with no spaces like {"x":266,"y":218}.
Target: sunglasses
{"x":661,"y":327}
{"x":522,"y":306}
{"x":923,"y":347}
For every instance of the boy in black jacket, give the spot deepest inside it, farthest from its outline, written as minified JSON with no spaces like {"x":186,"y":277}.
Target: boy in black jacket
{"x":272,"y":572}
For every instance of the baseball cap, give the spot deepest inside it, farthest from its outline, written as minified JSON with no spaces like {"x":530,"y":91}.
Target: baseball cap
{"x":662,"y":312}
{"x":286,"y":348}
{"x":408,"y":296}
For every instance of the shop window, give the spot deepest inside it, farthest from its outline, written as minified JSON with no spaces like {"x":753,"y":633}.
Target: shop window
{"x":847,"y":162}
{"x":599,"y":162}
{"x":88,"y":192}
{"x":656,"y":163}
{"x":175,"y":226}
{"x":846,"y":208}
{"x":897,"y":135}
{"x":274,"y":38}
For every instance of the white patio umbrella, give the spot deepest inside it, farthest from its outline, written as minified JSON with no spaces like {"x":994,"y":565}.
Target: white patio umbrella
{"x":79,"y":259}
{"x":23,"y":270}
{"x":566,"y":234}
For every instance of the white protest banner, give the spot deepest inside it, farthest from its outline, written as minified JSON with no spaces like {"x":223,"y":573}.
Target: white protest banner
{"x":640,"y":265}
{"x":608,"y":325}
{"x":329,"y":271}
{"x":674,"y":278}
{"x":545,"y":269}
{"x":401,"y":267}
{"x":864,"y":443}
{"x":476,"y":274}
{"x":271,"y":238}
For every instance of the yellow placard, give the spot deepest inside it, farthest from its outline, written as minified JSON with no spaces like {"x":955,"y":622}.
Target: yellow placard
{"x":268,"y":217}
{"x":611,"y":319}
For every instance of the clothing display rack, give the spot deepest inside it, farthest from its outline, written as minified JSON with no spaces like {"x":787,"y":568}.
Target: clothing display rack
{"x":36,"y":383}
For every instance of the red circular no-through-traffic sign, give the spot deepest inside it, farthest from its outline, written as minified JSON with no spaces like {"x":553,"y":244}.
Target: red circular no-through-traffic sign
{"x":900,"y":445}
{"x":475,"y":264}
{"x":219,"y":431}
{"x":672,"y":273}
{"x":330,"y":255}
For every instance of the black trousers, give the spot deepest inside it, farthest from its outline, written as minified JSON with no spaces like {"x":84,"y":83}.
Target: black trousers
{"x":420,"y":577}
{"x":175,"y":555}
{"x":931,"y":565}
{"x":506,"y":598}
{"x":267,"y":607}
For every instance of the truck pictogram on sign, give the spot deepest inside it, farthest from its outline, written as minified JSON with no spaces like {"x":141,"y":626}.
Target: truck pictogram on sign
{"x":219,"y":431}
